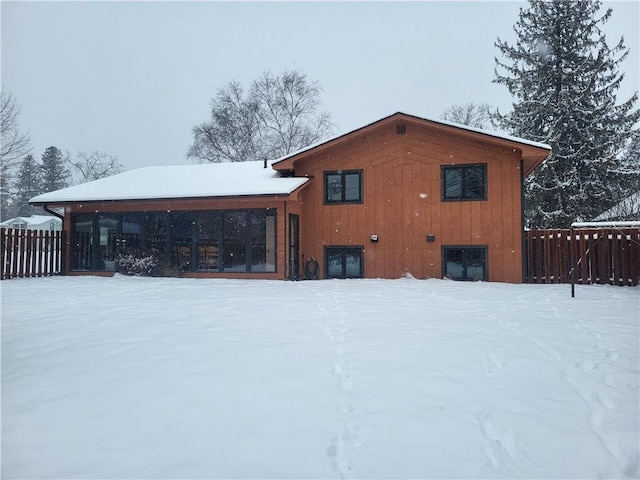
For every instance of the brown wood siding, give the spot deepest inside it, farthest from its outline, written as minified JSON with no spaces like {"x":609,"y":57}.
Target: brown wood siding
{"x":402,"y":203}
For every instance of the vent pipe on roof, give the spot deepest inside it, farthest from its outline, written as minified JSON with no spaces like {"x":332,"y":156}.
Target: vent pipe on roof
{"x":265,"y":162}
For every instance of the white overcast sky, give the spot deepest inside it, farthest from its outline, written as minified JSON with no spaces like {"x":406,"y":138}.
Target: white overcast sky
{"x":132,"y":78}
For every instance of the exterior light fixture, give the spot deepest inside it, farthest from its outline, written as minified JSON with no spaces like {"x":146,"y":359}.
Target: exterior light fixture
{"x":374,"y":238}
{"x":431,"y":237}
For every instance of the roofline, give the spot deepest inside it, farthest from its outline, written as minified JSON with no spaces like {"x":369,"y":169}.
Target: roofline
{"x":495,"y":135}
{"x":63,"y":203}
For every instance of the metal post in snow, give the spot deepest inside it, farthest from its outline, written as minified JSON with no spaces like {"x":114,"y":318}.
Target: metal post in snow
{"x":573,"y":266}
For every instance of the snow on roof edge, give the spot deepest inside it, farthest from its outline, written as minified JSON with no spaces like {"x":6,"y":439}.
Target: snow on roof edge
{"x":167,"y":182}
{"x":631,"y":223}
{"x":442,"y":122}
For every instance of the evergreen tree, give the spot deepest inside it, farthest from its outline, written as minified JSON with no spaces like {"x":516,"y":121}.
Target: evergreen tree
{"x":629,"y":171}
{"x":6,"y":202}
{"x":564,"y":78}
{"x":55,"y":174}
{"x":28,"y":184}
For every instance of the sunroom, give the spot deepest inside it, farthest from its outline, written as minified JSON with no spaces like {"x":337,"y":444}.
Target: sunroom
{"x":191,"y":220}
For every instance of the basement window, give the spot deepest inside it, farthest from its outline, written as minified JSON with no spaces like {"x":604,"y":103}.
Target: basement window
{"x":343,"y":262}
{"x":464,"y":263}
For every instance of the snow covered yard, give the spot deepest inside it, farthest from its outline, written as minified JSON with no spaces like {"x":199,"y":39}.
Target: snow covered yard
{"x":188,"y":378}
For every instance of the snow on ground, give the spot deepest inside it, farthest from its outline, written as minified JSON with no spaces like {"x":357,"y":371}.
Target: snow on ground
{"x":129,"y":377}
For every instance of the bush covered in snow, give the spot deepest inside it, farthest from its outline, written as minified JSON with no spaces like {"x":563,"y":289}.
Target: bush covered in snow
{"x":136,"y":264}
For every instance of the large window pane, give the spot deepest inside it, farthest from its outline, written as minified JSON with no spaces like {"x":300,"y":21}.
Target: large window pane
{"x":182,"y":232}
{"x":476,"y":264}
{"x":257,"y":233}
{"x":334,"y":187}
{"x":209,"y":232}
{"x":108,"y":234}
{"x":82,"y":242}
{"x":334,"y":263}
{"x":262,"y":236}
{"x":453,"y":260}
{"x":235,"y":242}
{"x":132,"y":229}
{"x":156,"y":229}
{"x":453,"y":183}
{"x":474,"y":182}
{"x":270,"y":242}
{"x":353,"y":260}
{"x":352,"y":187}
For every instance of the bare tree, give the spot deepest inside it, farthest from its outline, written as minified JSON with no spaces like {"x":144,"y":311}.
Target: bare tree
{"x":232,"y":133}
{"x":472,"y":114}
{"x":278,"y":116}
{"x":14,"y":144}
{"x":92,"y":166}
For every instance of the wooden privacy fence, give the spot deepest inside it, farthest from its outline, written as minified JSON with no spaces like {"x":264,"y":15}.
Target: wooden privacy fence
{"x":599,"y":255}
{"x":31,"y":253}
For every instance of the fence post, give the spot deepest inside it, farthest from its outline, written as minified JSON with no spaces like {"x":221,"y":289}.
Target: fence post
{"x":572,"y":255}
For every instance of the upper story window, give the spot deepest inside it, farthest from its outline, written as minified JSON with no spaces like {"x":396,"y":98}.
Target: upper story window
{"x":343,"y":186}
{"x":464,"y":182}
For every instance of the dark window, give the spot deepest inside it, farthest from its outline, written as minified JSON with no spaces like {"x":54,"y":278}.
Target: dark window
{"x":464,"y":182}
{"x":231,"y":241}
{"x":262,"y":230}
{"x":464,"y":263}
{"x":343,"y":262}
{"x":209,"y":241}
{"x":235,"y":242}
{"x":156,"y":227}
{"x":82,"y":243}
{"x":132,"y":229}
{"x":343,"y":187}
{"x":109,"y":241}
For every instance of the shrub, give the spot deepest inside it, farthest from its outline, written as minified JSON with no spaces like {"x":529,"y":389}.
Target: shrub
{"x":136,"y":264}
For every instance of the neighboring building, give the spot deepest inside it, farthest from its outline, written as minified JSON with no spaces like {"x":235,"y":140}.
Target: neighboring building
{"x":627,"y":210}
{"x":401,"y":195}
{"x":34,"y":222}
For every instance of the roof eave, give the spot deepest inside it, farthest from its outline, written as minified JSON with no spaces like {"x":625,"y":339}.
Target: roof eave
{"x":533,"y":153}
{"x":66,"y":203}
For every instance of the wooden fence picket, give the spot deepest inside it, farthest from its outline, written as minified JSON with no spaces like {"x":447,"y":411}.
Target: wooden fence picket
{"x":30,"y":253}
{"x":598,"y":255}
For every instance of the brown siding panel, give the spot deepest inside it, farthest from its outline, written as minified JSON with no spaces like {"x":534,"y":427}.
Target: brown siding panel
{"x":402,"y":204}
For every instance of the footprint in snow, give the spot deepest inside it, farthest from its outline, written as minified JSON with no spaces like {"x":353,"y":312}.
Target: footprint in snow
{"x":345,"y":379}
{"x":501,"y":446}
{"x":493,"y":364}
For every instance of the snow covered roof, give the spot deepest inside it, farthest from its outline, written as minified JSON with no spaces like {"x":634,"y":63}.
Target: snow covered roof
{"x":621,"y":224}
{"x":629,"y":207}
{"x":418,"y":117}
{"x":180,"y":181}
{"x":32,"y":220}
